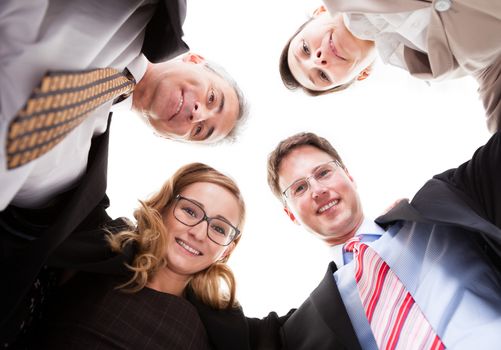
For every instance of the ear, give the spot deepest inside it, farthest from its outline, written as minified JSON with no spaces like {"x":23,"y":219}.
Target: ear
{"x":193,"y":58}
{"x":319,"y":10}
{"x":291,"y":215}
{"x":365,"y":73}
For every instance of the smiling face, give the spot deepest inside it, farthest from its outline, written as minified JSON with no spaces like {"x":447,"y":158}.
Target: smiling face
{"x":187,"y":101}
{"x":331,"y":210}
{"x":325,"y":54}
{"x":189,"y":250}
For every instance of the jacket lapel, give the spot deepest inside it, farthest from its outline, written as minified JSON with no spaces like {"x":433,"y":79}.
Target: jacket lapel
{"x":437,"y":203}
{"x":329,"y":304}
{"x":19,"y":275}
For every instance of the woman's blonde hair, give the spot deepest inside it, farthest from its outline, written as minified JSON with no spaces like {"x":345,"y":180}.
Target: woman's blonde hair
{"x":150,"y":238}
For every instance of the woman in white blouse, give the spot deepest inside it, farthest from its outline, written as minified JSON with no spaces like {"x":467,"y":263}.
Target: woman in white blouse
{"x":431,"y":39}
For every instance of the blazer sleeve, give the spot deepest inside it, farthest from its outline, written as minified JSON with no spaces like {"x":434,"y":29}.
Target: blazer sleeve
{"x":164,"y":33}
{"x":87,"y":249}
{"x":230,"y":329}
{"x":480,"y":180}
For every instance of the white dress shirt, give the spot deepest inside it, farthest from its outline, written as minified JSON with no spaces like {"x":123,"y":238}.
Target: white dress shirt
{"x":391,"y":32}
{"x":38,"y":36}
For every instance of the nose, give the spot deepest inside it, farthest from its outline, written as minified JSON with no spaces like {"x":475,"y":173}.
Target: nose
{"x":198,"y":113}
{"x":199,"y":231}
{"x":317,"y":189}
{"x":319,"y":58}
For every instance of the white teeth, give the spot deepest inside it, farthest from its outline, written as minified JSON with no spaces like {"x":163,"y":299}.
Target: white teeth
{"x":179,"y":105}
{"x":188,"y":248}
{"x":328,"y":205}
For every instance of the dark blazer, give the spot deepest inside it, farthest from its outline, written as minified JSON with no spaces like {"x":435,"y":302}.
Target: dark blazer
{"x":164,"y":34}
{"x":468,"y":197}
{"x":84,"y":206}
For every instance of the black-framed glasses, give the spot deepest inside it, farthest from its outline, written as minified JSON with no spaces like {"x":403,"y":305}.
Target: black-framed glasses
{"x":189,"y":213}
{"x":322,"y":174}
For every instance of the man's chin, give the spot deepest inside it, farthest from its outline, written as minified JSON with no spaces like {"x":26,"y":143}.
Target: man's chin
{"x":336,"y":238}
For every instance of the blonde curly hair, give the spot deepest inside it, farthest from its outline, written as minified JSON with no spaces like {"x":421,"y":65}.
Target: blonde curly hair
{"x":150,"y":238}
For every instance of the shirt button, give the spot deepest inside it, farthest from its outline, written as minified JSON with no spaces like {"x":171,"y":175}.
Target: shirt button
{"x":442,"y":5}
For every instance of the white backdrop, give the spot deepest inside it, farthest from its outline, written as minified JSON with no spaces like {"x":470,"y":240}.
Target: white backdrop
{"x":393,"y":132}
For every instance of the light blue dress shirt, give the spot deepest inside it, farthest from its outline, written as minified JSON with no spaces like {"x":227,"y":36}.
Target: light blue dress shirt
{"x":444,"y":269}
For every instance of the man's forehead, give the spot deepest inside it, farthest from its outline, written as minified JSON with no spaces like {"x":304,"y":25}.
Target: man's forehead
{"x":300,"y":162}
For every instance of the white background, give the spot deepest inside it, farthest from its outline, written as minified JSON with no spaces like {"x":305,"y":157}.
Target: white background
{"x":392,"y":131}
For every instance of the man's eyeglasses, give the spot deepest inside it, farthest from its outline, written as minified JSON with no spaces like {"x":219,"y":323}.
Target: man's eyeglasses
{"x":322,"y":174}
{"x":191,"y":214}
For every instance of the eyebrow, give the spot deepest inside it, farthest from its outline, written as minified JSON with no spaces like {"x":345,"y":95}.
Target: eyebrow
{"x":212,"y":217}
{"x":197,"y":202}
{"x":221,"y":104}
{"x":311,"y":173}
{"x":220,"y":217}
{"x":319,"y":166}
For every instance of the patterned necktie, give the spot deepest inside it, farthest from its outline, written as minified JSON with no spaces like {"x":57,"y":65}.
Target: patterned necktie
{"x":57,"y":106}
{"x":395,"y":319}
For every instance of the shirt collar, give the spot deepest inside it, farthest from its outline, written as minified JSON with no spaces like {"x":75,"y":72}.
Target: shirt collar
{"x":368,"y":226}
{"x":137,"y":68}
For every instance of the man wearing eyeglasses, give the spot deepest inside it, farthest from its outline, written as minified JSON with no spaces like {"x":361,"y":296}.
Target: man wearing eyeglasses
{"x":427,"y":275}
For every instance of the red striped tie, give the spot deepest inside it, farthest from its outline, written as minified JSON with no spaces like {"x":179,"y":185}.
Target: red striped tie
{"x":395,"y":319}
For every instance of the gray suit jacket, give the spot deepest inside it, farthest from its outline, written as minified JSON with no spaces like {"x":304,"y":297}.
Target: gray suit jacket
{"x":462,"y":40}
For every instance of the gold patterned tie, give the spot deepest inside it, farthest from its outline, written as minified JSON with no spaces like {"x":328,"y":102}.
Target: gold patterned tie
{"x":61,"y":102}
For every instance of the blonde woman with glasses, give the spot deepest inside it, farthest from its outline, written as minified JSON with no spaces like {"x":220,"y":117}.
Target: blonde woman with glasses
{"x":183,"y":238}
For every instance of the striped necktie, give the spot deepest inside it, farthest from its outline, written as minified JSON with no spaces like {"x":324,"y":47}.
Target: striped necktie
{"x":395,"y":319}
{"x":57,"y":106}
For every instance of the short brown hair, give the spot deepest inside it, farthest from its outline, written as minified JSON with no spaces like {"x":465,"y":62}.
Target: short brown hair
{"x":286,"y":146}
{"x":288,"y":78}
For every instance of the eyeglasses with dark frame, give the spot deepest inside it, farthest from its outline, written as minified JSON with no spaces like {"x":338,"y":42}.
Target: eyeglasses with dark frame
{"x":322,"y":174}
{"x":190,"y":213}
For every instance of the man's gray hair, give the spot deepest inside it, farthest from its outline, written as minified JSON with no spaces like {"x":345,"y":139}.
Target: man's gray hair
{"x":243,"y":106}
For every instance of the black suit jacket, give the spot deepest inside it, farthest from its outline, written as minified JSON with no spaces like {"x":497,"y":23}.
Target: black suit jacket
{"x":468,"y":197}
{"x":22,"y":260}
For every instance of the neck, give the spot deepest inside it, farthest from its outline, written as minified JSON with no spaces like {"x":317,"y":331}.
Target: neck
{"x":166,"y":281}
{"x":143,"y":92}
{"x":340,"y":22}
{"x":332,"y":241}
